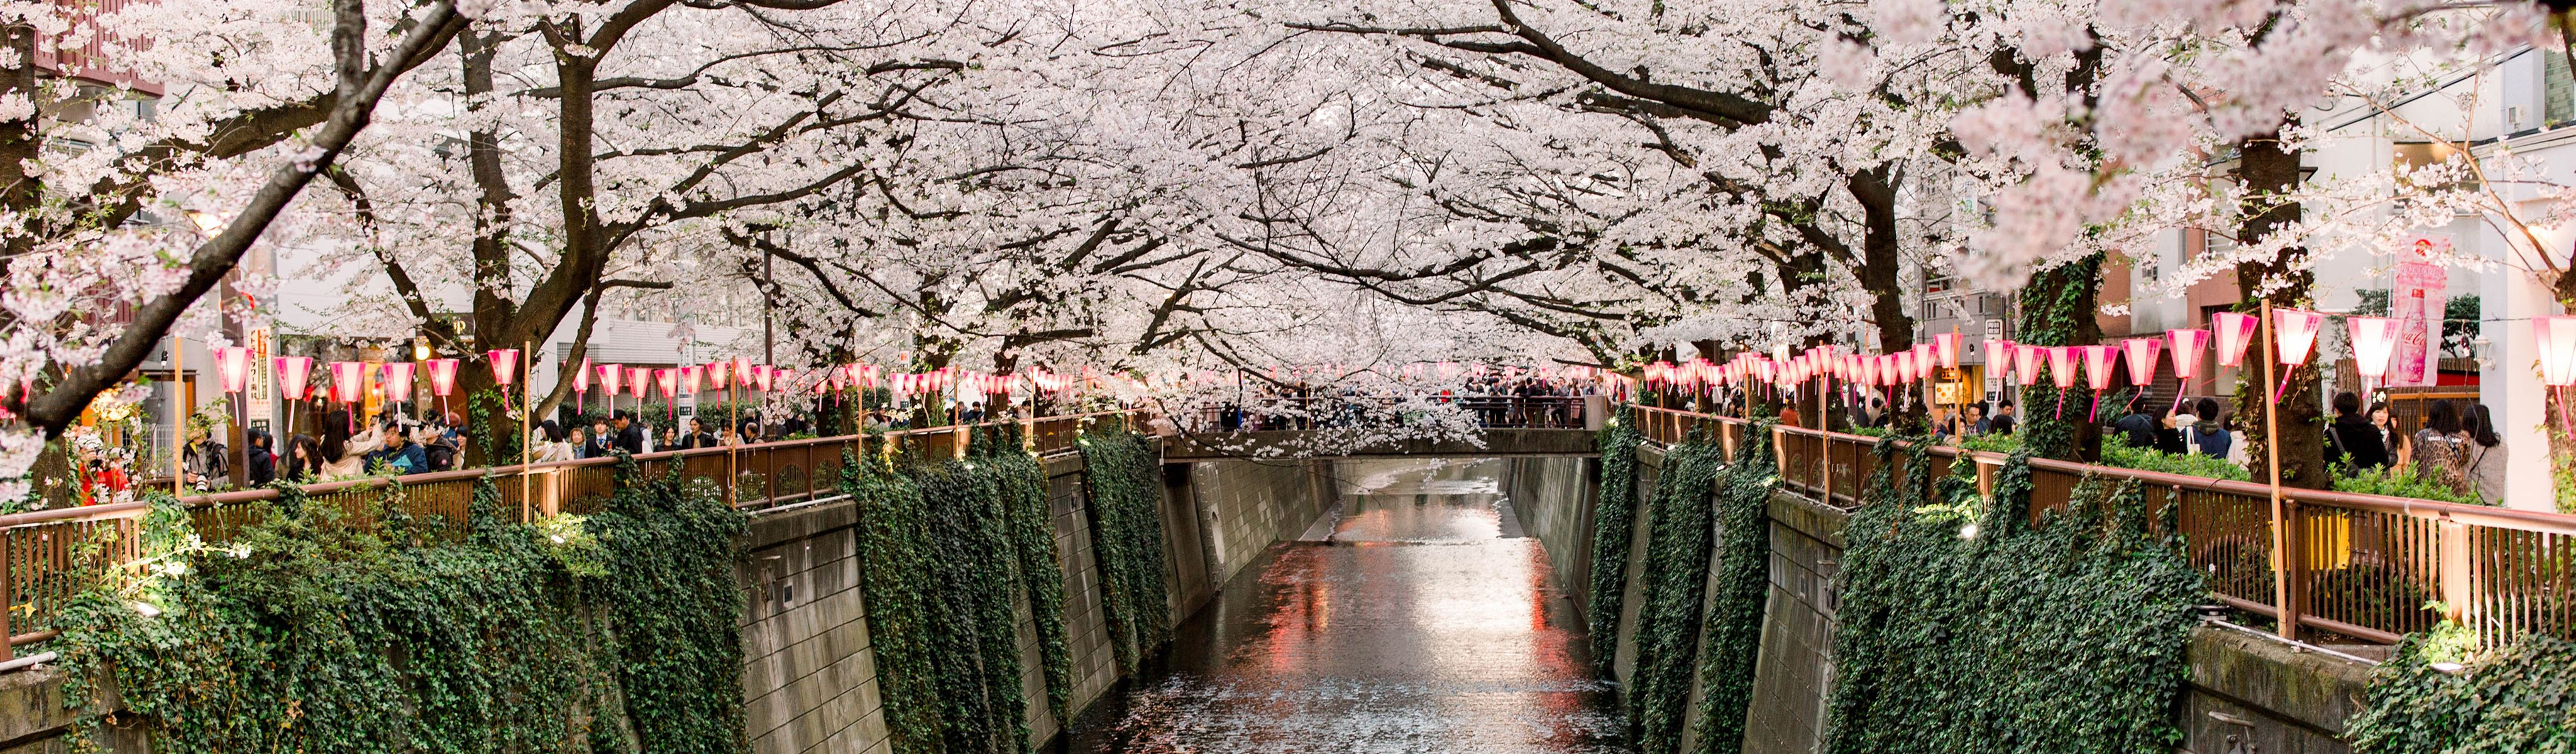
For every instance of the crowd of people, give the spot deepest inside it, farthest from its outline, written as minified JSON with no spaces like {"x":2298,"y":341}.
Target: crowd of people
{"x":2456,"y":447}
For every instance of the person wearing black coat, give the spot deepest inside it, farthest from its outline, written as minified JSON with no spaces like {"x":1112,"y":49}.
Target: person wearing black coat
{"x":2351,"y":439}
{"x":630,"y":433}
{"x":259,"y":466}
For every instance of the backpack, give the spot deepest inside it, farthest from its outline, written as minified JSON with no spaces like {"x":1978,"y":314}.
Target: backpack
{"x":2441,"y":459}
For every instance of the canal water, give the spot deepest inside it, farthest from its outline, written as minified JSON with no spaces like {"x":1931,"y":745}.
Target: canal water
{"x":1416,"y":618}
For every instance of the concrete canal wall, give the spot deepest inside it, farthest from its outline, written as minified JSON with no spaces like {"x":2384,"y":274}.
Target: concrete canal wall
{"x":2245,"y":688}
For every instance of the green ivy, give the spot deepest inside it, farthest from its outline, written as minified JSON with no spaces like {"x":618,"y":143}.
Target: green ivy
{"x":1024,"y":499}
{"x":2517,"y":698}
{"x":2116,"y":451}
{"x":895,"y":554}
{"x":2057,"y":309}
{"x":1962,"y":629}
{"x":1127,"y":538}
{"x":1732,"y":634}
{"x":1676,"y":571}
{"x":974,"y":630}
{"x":310,"y":633}
{"x":1613,"y":511}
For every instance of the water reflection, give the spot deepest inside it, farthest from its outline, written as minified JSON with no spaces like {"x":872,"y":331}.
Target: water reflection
{"x":1424,"y":624}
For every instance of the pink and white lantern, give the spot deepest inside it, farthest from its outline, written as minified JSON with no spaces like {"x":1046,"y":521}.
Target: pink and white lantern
{"x":2234,"y":331}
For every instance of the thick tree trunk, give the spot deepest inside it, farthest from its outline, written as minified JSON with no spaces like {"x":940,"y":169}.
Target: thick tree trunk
{"x":2057,"y":308}
{"x":2268,"y":171}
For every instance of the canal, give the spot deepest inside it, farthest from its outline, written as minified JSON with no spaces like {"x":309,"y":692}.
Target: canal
{"x":1415,"y":618}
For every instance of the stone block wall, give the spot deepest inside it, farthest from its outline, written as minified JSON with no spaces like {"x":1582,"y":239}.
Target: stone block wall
{"x":809,"y":680}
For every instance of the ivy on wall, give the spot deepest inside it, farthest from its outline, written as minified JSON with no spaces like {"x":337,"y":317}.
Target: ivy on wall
{"x":1127,"y":539}
{"x":1963,"y":629}
{"x":894,"y":549}
{"x":307,"y":632}
{"x":1740,"y":583}
{"x":2057,"y":310}
{"x":1024,"y":499}
{"x":974,"y":630}
{"x":1613,"y":524}
{"x":2430,"y":698}
{"x":1668,"y":623}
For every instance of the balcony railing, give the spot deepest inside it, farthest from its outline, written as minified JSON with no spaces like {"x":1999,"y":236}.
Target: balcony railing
{"x":48,"y":556}
{"x":2366,"y":565}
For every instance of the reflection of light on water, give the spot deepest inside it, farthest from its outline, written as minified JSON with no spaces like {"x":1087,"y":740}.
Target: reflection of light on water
{"x":1421,"y":630}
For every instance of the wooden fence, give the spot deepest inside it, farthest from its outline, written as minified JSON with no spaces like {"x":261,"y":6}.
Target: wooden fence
{"x":2366,"y":565}
{"x":48,"y":556}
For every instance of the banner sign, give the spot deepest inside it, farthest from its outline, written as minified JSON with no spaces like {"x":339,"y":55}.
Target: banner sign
{"x":2416,"y":303}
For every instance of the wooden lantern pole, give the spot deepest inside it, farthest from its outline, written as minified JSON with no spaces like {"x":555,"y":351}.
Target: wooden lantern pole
{"x":527,"y":444}
{"x":179,"y":409}
{"x":2288,"y":625}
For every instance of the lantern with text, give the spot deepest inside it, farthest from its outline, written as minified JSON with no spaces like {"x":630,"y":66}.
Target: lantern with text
{"x":2294,"y":334}
{"x":2234,"y":331}
{"x":2374,"y":339}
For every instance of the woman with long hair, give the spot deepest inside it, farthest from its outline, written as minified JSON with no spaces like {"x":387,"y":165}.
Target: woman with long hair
{"x":303,"y":459}
{"x":2486,"y":455}
{"x":2441,"y":448}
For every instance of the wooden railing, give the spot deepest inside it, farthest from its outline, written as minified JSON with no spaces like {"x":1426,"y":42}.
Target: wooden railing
{"x":2367,"y":565}
{"x":48,"y":556}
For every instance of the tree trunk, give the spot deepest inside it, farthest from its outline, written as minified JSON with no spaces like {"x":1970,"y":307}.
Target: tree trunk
{"x":2057,"y":308}
{"x":2267,"y":172}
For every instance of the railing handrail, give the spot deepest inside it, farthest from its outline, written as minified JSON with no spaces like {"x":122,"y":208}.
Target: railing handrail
{"x":136,"y":508}
{"x":2509,"y":518}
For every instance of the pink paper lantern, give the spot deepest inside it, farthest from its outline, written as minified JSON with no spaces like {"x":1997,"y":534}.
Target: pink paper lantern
{"x":2025,"y":364}
{"x":234,"y":364}
{"x":2557,"y":338}
{"x":669,"y":379}
{"x":1904,"y":367}
{"x":2186,"y":346}
{"x":1946,"y":346}
{"x":2294,"y":332}
{"x":2234,"y":332}
{"x":581,"y":378}
{"x":396,"y":377}
{"x":2061,"y":366}
{"x":442,"y":376}
{"x":505,"y":365}
{"x":639,"y":381}
{"x":610,"y":377}
{"x":2142,"y":359}
{"x":761,"y":376}
{"x":294,"y":373}
{"x":2374,"y":339}
{"x":2097,"y":366}
{"x":1865,"y":370}
{"x":348,"y":381}
{"x":720,"y":374}
{"x":1999,"y":355}
{"x":689,"y":380}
